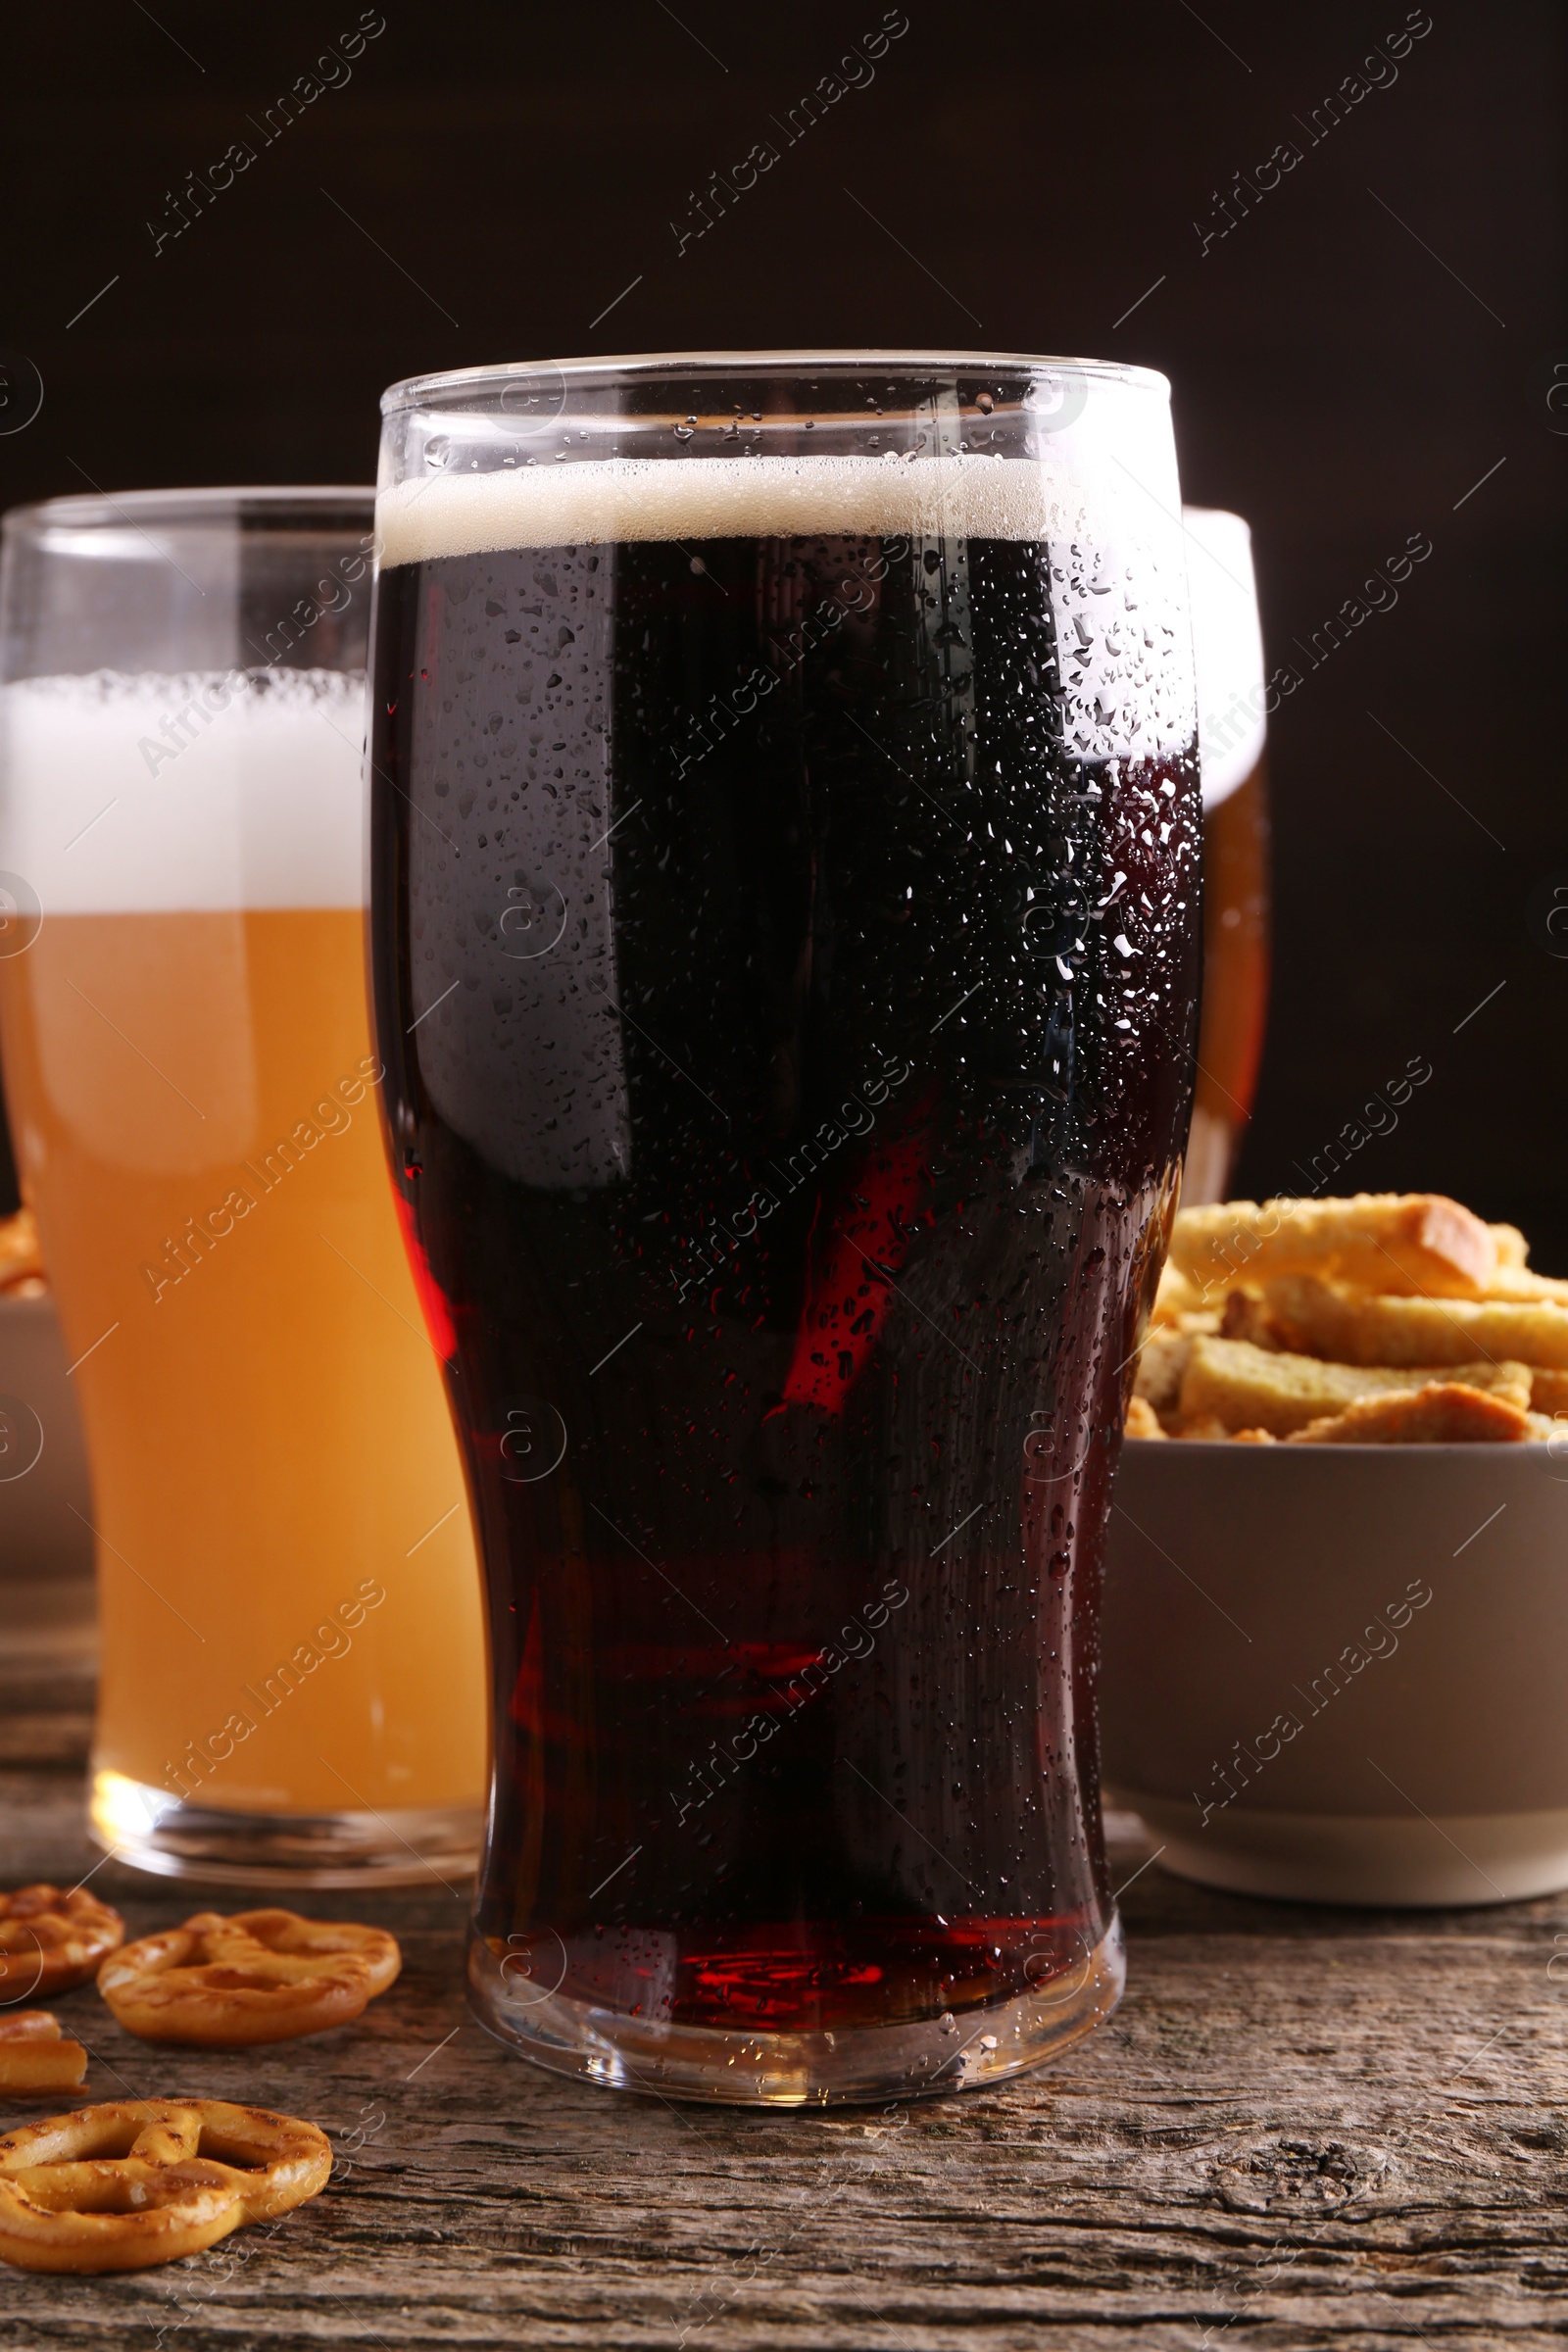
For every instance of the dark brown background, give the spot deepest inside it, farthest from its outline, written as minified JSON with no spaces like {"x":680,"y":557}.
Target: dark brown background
{"x":1341,"y":378}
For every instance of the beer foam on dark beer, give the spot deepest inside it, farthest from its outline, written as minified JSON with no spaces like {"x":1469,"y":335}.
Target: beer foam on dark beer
{"x":214,"y":791}
{"x":1111,"y":529}
{"x":596,"y":500}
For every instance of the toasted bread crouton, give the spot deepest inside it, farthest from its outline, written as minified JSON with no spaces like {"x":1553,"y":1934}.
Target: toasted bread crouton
{"x":1398,"y":1243}
{"x":21,"y":1266}
{"x":1246,"y":1316}
{"x":1175,"y":1296}
{"x":1254,"y":1437}
{"x":1142,"y":1419}
{"x":1253,"y":1388}
{"x":1445,"y":1412}
{"x":1511,"y":1246}
{"x":1318,"y":1318}
{"x":1160,"y":1365}
{"x":1523,"y":1283}
{"x":1548,"y":1391}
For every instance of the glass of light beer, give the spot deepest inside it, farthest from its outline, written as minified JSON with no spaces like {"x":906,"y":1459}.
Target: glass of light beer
{"x":1233,"y":752}
{"x":292,"y":1683}
{"x":785,"y":917}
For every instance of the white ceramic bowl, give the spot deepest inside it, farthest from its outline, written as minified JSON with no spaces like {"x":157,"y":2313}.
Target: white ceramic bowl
{"x":1340,"y":1672}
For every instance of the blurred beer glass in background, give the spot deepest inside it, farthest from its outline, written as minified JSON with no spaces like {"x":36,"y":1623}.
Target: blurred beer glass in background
{"x":1232,"y":730}
{"x":292,"y":1683}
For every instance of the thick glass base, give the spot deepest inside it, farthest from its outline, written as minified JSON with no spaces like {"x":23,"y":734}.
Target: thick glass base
{"x":153,"y":1831}
{"x":818,"y":2068}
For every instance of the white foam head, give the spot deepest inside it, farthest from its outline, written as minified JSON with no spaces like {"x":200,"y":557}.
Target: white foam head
{"x":602,"y":499}
{"x":208,"y":792}
{"x":1227,"y":649}
{"x":1101,"y":495}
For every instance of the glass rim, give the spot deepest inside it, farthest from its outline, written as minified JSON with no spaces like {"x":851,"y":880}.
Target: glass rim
{"x":444,"y":387}
{"x":97,"y":510}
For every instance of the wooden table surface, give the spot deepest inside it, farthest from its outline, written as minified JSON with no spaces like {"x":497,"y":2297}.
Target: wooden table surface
{"x":1302,"y":2128}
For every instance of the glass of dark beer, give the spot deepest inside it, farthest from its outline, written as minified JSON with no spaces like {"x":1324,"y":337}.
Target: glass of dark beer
{"x":786,"y":844}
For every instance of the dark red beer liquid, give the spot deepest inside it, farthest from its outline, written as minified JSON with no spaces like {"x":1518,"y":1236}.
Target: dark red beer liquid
{"x":788,"y":1051}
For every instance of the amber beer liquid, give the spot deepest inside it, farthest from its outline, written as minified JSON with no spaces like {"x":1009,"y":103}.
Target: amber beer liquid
{"x":288,"y":1601}
{"x":1232,"y":732}
{"x":1236,"y":973}
{"x":785,"y":908}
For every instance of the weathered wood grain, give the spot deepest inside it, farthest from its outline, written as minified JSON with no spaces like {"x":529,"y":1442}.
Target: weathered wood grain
{"x":1303,"y":2127}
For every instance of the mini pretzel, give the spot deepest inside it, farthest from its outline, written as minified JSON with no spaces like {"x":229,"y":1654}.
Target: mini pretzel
{"x":34,"y":2055}
{"x":50,"y":1941}
{"x":377,"y":1952}
{"x":262,"y":1976}
{"x":140,"y":2181}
